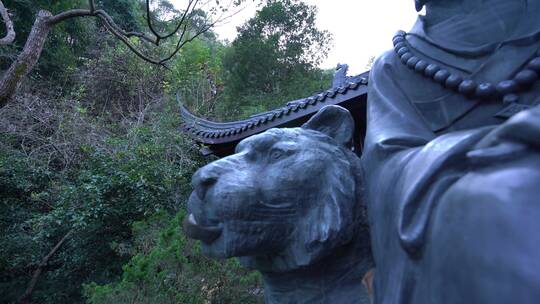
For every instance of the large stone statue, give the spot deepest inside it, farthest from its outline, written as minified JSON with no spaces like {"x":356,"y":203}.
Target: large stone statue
{"x":452,"y":156}
{"x":289,"y":204}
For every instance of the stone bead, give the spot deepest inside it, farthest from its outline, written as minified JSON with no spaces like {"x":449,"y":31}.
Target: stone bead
{"x":526,"y":77}
{"x":411,"y":63}
{"x":507,"y":86}
{"x":400,"y":33}
{"x":441,"y":76}
{"x":397,"y":46}
{"x":534,"y":64}
{"x":397,"y":41}
{"x":431,"y":70}
{"x":485,"y":90}
{"x":420,"y":66}
{"x":467,"y":87}
{"x":453,"y":81}
{"x":402,"y":51}
{"x":510,"y":98}
{"x":406,"y":57}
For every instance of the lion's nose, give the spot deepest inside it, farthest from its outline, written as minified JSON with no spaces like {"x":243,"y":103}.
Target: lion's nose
{"x":202,"y":180}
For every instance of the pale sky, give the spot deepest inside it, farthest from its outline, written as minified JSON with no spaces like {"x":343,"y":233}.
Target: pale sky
{"x":361,"y":28}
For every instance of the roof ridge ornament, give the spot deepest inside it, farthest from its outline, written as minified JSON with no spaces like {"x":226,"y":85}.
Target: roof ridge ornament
{"x":340,"y":76}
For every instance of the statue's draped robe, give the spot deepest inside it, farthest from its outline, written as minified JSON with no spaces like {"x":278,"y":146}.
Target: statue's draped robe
{"x":447,"y":225}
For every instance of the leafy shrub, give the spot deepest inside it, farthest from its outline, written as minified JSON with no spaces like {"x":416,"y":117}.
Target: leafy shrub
{"x":173,"y":271}
{"x":127,"y":179}
{"x":92,"y":147}
{"x":24,"y":191}
{"x":274,"y":59}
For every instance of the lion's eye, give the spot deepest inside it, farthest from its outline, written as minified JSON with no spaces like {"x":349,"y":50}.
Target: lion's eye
{"x":276,"y":154}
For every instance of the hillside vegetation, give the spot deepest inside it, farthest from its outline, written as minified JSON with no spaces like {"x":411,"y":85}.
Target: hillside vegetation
{"x":94,"y":170}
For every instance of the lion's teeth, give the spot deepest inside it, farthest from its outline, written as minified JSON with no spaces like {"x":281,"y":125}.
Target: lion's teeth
{"x":191,"y":219}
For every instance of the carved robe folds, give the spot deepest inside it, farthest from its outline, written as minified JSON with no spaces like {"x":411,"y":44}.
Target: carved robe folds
{"x":453,"y":193}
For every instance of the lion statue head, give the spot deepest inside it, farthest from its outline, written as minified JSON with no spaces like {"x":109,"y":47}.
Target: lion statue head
{"x":286,"y":199}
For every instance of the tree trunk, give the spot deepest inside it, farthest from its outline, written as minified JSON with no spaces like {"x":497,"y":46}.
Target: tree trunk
{"x":26,"y":297}
{"x":27,"y":59}
{"x":10,"y":31}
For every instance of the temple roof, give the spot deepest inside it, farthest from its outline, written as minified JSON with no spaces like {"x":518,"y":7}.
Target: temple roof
{"x":219,"y":138}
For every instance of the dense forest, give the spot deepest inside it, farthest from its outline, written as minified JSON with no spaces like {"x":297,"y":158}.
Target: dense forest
{"x":94,"y":168}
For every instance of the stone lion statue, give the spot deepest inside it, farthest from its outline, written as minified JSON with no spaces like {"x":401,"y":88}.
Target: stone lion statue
{"x":289,"y":204}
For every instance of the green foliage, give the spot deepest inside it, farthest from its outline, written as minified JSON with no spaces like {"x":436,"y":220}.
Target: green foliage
{"x":196,"y":74}
{"x":114,"y":83}
{"x":68,"y":42}
{"x":95,"y":147}
{"x":64,"y":54}
{"x":290,"y":26}
{"x":275,"y":57}
{"x":172,"y":270}
{"x":24,"y":192}
{"x":128,"y":14}
{"x":147,"y":171}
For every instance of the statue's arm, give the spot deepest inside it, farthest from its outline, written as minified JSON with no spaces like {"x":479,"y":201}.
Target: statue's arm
{"x":522,"y":129}
{"x":407,"y":167}
{"x":435,"y":202}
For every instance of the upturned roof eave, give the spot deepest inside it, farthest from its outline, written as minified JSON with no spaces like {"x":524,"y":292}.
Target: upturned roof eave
{"x":216,"y":133}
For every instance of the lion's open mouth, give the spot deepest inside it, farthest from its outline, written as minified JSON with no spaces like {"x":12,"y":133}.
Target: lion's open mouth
{"x":206,"y":234}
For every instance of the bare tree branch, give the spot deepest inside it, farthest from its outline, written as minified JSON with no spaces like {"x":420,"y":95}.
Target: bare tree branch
{"x":111,"y":26}
{"x":27,"y":59}
{"x":117,"y":32}
{"x":186,"y":31}
{"x":183,"y":18}
{"x":25,"y":298}
{"x":102,"y":14}
{"x":160,"y":37}
{"x":124,"y":36}
{"x":92,"y":5}
{"x":72,"y":13}
{"x":10,"y":31}
{"x":182,"y":42}
{"x":149,"y":22}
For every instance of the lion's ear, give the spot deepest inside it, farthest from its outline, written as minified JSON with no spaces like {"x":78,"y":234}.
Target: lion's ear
{"x":335,"y":122}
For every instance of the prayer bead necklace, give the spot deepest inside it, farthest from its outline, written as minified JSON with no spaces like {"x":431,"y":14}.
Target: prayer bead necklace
{"x":507,"y":90}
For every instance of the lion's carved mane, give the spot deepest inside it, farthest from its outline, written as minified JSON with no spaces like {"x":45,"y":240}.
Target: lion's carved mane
{"x":288,"y":201}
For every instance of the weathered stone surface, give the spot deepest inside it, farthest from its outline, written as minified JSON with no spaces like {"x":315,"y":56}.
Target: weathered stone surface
{"x":452,"y":184}
{"x":290,"y":204}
